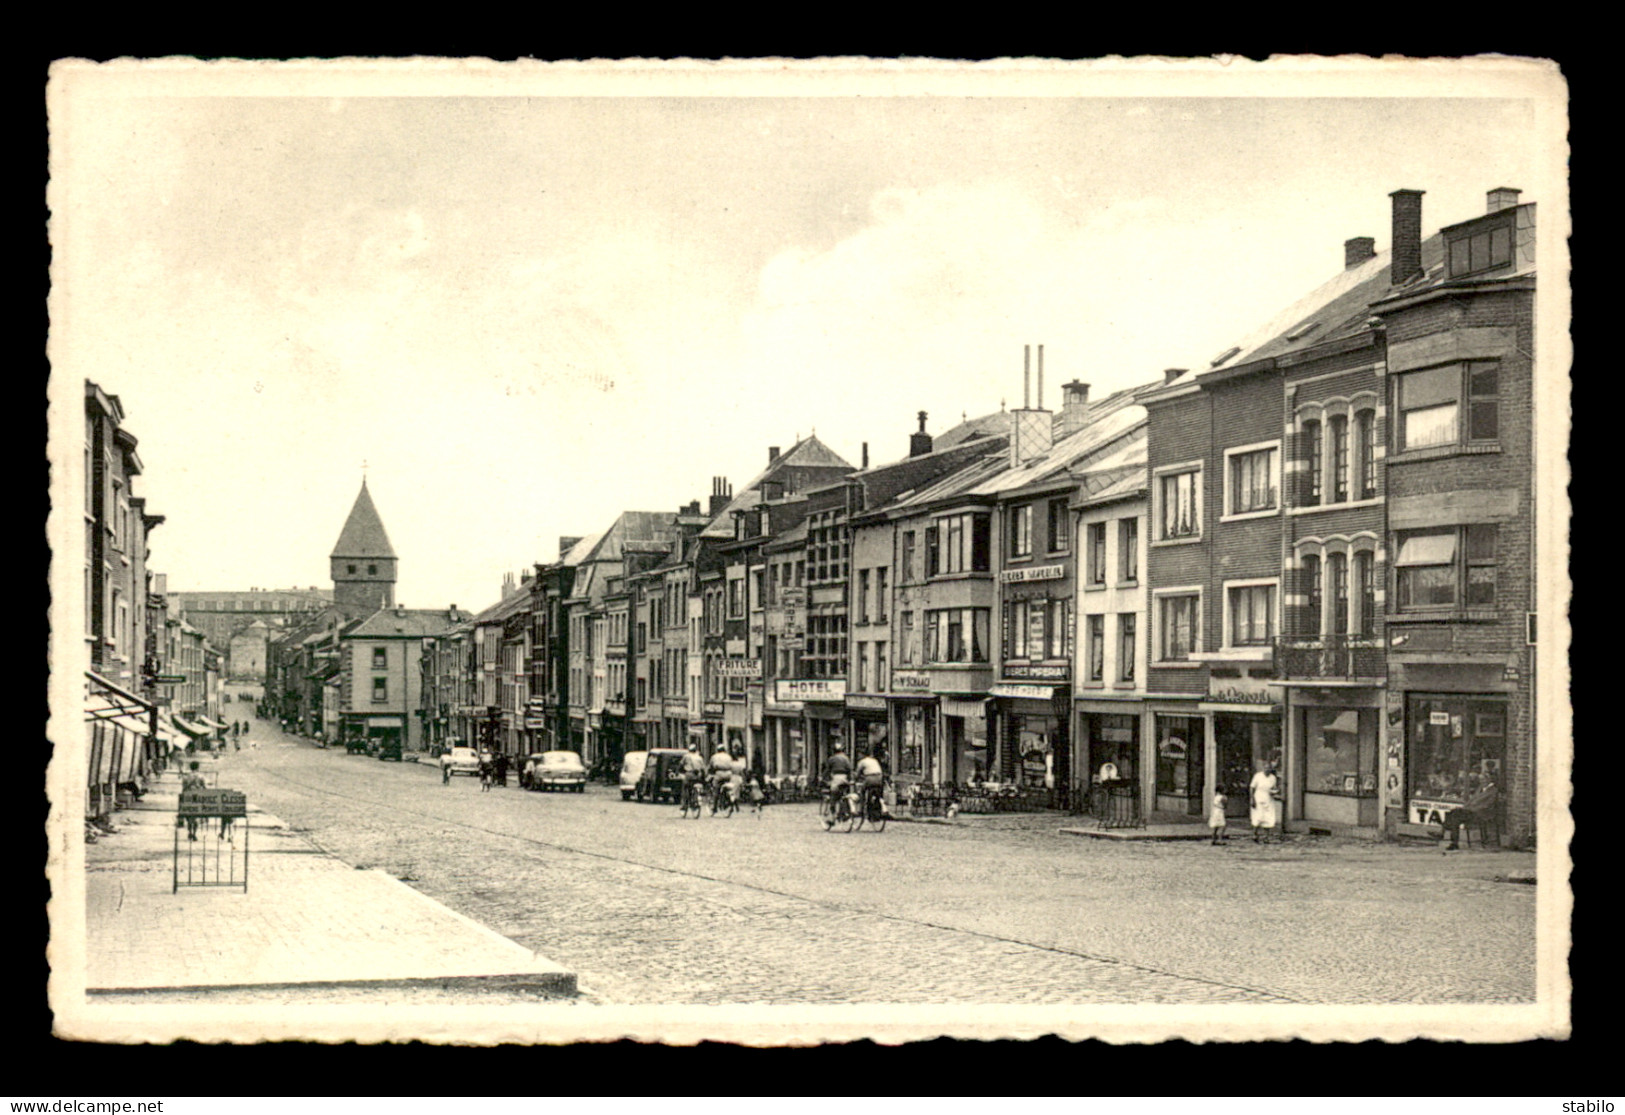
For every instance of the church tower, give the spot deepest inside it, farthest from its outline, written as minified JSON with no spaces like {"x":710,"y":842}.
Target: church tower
{"x":363,"y":562}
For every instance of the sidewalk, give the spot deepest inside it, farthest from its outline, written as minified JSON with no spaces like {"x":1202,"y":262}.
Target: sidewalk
{"x":307,"y":919}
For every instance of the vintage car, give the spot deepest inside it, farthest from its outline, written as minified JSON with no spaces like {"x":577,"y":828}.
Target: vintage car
{"x":554,"y":770}
{"x":632,"y":764}
{"x":461,"y":760}
{"x":662,"y":778}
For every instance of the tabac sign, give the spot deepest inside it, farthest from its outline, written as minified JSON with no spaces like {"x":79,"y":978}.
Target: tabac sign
{"x":810,"y":689}
{"x":1036,"y":573}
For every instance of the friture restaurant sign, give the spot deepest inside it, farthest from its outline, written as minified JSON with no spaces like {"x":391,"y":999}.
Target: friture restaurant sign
{"x":810,"y":689}
{"x":739,"y":667}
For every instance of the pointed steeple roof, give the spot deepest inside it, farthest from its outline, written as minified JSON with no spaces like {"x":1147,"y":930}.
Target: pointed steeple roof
{"x":363,"y":535}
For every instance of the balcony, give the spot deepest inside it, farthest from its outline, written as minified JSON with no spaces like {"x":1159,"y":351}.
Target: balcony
{"x":1330,"y":657}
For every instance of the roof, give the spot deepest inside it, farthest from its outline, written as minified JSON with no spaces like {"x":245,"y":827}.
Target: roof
{"x":1068,"y":452}
{"x":809,"y":452}
{"x":516,"y":601}
{"x":578,"y":553}
{"x":988,"y":424}
{"x":402,"y":623}
{"x":363,"y":535}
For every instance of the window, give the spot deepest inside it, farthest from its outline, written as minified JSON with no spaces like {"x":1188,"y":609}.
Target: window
{"x":1429,"y":405}
{"x":1097,"y":553}
{"x":1057,"y":526}
{"x":1252,"y":481}
{"x":755,"y":592}
{"x":380,"y":658}
{"x":1337,"y":573}
{"x":1431,"y":572}
{"x":1311,"y":580}
{"x":1483,"y":250}
{"x":1097,"y":647}
{"x":906,"y":654}
{"x":1178,"y":495}
{"x":956,"y":635}
{"x":1016,"y":619}
{"x":1128,"y":550}
{"x":372,"y":570}
{"x":1366,"y":423}
{"x":1021,"y":531}
{"x":907,"y":557}
{"x":1338,"y":428}
{"x":958,"y":544}
{"x":1252,"y":615}
{"x":1056,"y":627}
{"x":880,"y":595}
{"x":863,"y":667}
{"x":380,"y":689}
{"x":880,"y":667}
{"x":736,"y":599}
{"x":1126,"y":624}
{"x":1365,"y":579}
{"x":1313,"y":447}
{"x":863,"y":596}
{"x":1177,"y":618}
{"x":933,"y":553}
{"x":351,"y":568}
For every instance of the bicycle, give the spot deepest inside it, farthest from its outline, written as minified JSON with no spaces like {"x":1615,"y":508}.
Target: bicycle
{"x":840,"y":809}
{"x":873,"y":811}
{"x":723,"y":799}
{"x":693,"y":798}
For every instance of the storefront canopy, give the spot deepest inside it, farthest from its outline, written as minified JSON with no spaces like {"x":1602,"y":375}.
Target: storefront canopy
{"x":196,"y":731}
{"x":1428,"y":549}
{"x":106,"y":701}
{"x":206,"y":722}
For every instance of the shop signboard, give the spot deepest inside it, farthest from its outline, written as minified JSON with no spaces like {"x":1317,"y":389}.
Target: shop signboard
{"x":534,"y":723}
{"x":1036,"y":573}
{"x":905,"y":681}
{"x":1024,"y":692}
{"x":810,"y":689}
{"x":739,"y":667}
{"x":213,"y":803}
{"x":1440,"y":718}
{"x":872,"y":704}
{"x":1037,"y":672}
{"x":1431,"y":812}
{"x":1240,"y":691}
{"x":711,"y":709}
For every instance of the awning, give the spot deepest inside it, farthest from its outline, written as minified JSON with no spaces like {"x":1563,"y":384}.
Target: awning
{"x":109,"y":702}
{"x":1428,"y":549}
{"x":196,"y":731}
{"x":216,"y":725}
{"x":823,"y":712}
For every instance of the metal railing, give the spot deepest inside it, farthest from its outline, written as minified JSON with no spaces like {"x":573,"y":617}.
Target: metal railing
{"x":1330,"y":656}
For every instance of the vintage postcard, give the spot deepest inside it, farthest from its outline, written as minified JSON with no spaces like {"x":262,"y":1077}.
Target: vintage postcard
{"x":795,"y":551}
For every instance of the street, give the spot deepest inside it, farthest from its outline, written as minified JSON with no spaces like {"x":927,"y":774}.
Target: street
{"x":649,"y":908}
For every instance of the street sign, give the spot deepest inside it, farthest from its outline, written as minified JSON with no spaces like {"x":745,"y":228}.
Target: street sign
{"x":169,"y":679}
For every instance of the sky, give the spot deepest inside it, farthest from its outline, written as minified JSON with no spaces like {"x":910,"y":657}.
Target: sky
{"x":524,"y":314}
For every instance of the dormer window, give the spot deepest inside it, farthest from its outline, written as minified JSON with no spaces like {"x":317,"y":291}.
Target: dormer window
{"x":1480,"y":247}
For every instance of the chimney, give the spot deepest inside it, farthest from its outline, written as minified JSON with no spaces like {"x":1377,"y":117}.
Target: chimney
{"x":1357,"y":250}
{"x":919,"y":442}
{"x":1502,"y":197}
{"x":1407,"y":236}
{"x":721,"y":495}
{"x":1172,"y":374}
{"x":1074,"y":406}
{"x":772,"y":453}
{"x":865,"y":454}
{"x":1032,"y":430}
{"x":566,"y":544}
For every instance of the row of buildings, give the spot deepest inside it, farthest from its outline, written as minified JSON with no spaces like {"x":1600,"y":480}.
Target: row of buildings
{"x":154,"y":680}
{"x":1318,"y":552}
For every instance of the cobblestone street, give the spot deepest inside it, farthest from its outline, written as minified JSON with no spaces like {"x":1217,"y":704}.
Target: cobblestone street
{"x":649,"y":908}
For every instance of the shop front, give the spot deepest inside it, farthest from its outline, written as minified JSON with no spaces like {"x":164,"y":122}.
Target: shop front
{"x":1245,"y":741}
{"x":868,"y":728}
{"x":1032,"y":747}
{"x":1335,"y":748}
{"x":1180,"y":780}
{"x":1108,"y":749}
{"x":963,"y":756}
{"x":1456,"y":746}
{"x":823,"y":702}
{"x":786,"y":740}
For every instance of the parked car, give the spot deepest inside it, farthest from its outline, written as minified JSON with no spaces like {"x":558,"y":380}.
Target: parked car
{"x":461,"y":760}
{"x":662,"y":777}
{"x":390,"y":750}
{"x":554,"y":770}
{"x":631,"y":770}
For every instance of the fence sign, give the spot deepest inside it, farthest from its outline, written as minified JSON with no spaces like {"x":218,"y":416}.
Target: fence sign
{"x":213,"y":803}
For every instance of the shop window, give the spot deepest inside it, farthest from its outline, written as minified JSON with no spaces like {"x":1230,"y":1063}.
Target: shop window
{"x":1128,"y":550}
{"x":1021,"y":531}
{"x":1252,"y":615}
{"x":1179,"y":755}
{"x":1126,"y":651}
{"x":1178,"y":500}
{"x":1342,"y":752}
{"x":913,"y":742}
{"x":1177,"y":620}
{"x":1456,"y":745}
{"x":1097,"y":647}
{"x":1097,"y":553}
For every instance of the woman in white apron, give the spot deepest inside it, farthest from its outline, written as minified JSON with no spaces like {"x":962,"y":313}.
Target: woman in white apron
{"x":1261,"y":793}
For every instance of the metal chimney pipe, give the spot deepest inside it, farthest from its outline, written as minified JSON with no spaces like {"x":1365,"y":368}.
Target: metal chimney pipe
{"x":1026,"y":376}
{"x":1040,"y":377}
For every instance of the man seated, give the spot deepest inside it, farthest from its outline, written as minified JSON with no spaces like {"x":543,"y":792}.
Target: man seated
{"x":1480,"y":808}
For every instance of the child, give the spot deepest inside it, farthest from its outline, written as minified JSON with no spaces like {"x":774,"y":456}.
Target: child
{"x":757,"y":795}
{"x":1215,"y":818}
{"x":486,"y":774}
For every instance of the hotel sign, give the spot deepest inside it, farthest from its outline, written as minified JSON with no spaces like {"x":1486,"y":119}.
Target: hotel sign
{"x":1035,"y":573}
{"x":810,"y":689}
{"x":1035,"y":673}
{"x":739,"y":667}
{"x":910,"y":683}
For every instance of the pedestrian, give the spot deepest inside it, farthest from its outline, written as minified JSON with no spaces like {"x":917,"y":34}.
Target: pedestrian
{"x":1262,"y":793}
{"x":1215,"y":816}
{"x":502,"y":769}
{"x":485,"y":776}
{"x":1479,"y":806}
{"x":445,"y":770}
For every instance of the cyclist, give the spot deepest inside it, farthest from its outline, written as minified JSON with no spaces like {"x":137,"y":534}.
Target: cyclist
{"x":693,"y":769}
{"x":837,"y":773}
{"x":722,"y":772}
{"x":872,"y":776}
